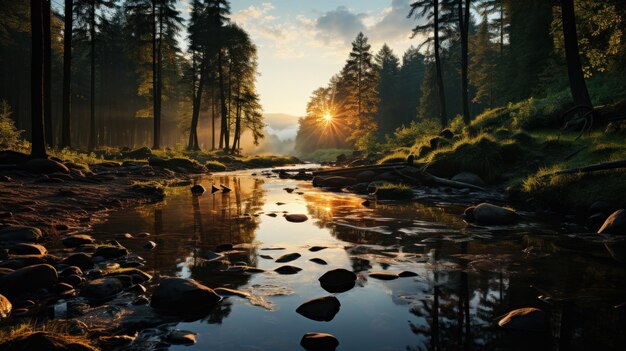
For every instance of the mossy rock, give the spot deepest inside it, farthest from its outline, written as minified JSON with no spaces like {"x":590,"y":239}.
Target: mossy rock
{"x":447,"y":134}
{"x":215,"y":166}
{"x":142,"y":153}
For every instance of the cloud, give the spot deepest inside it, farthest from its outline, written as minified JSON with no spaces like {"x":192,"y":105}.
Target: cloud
{"x":339,"y":25}
{"x":393,"y":25}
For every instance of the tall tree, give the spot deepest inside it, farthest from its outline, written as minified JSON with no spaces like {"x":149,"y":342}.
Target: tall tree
{"x":388,"y":114}
{"x":577,"y":84}
{"x":38,"y":74}
{"x":47,"y":81}
{"x":67,"y":73}
{"x":359,"y":78}
{"x":410,"y":82}
{"x":429,"y":9}
{"x":484,"y":65}
{"x":464,"y":21}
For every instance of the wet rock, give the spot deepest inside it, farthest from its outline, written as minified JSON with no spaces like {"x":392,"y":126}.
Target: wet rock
{"x":81,"y":260}
{"x":102,"y":288}
{"x":5,"y":307}
{"x":137,"y":275}
{"x":20,"y":234}
{"x":338,"y":280}
{"x":115,"y":341}
{"x":142,"y":153}
{"x":181,"y":337}
{"x":63,"y":289}
{"x":322,"y":309}
{"x":595,"y":221}
{"x":525,"y":319}
{"x":70,"y":270}
{"x":5,"y":271}
{"x":384,"y":276}
{"x":488,"y":214}
{"x":17,"y":262}
{"x":183,"y":296}
{"x":286,"y":270}
{"x":296,"y":218}
{"x":266,"y":257}
{"x":469,"y":178}
{"x":407,"y":274}
{"x":288,"y":257}
{"x":73,"y":280}
{"x":44,"y":166}
{"x":28,"y":249}
{"x":28,"y":279}
{"x":123,"y":236}
{"x":319,"y":342}
{"x":333,"y":182}
{"x":213,"y":256}
{"x":615,"y":224}
{"x":140,"y":301}
{"x":393,"y":193}
{"x":317,"y":248}
{"x":318,"y":261}
{"x":44,"y":341}
{"x":224,"y":247}
{"x":197,"y":189}
{"x":155,"y":161}
{"x":149,"y":245}
{"x":142,"y":235}
{"x":110,"y":251}
{"x":77,"y":240}
{"x":185,"y":165}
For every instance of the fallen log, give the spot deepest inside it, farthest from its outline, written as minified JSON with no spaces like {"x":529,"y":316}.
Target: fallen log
{"x":423,"y":177}
{"x":358,"y":169}
{"x":592,"y":168}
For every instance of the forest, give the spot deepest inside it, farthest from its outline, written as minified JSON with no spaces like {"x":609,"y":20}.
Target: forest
{"x":456,"y":183}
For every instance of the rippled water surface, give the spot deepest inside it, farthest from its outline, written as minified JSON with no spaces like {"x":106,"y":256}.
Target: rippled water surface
{"x":467,"y":276}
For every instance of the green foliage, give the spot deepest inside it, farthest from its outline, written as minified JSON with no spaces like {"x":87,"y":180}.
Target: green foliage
{"x":368,"y":142}
{"x":10,"y":137}
{"x":399,"y":155}
{"x":407,"y":136}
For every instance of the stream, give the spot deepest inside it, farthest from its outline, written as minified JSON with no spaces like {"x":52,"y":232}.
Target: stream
{"x":467,"y":276}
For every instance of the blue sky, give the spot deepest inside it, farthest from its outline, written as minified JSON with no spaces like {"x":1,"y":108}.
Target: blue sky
{"x":302,"y":43}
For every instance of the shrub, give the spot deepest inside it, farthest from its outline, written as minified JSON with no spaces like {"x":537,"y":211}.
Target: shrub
{"x":407,"y":136}
{"x":10,"y":137}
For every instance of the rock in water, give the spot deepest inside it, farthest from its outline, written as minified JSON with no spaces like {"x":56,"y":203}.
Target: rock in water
{"x":28,"y":279}
{"x":181,"y":337}
{"x":20,"y":234}
{"x":319,"y":342}
{"x":110,"y":251}
{"x":615,"y":224}
{"x":149,"y":245}
{"x":296,"y":218}
{"x":43,"y":341}
{"x":5,"y":307}
{"x":321,"y":309}
{"x":384,"y":276}
{"x":28,"y":249}
{"x":44,"y":166}
{"x":286,"y":270}
{"x":80,"y":260}
{"x":77,"y":240}
{"x":525,"y":319}
{"x":288,"y":257}
{"x":488,"y":214}
{"x":102,"y":288}
{"x":197,"y":189}
{"x":318,"y":261}
{"x":468,"y":178}
{"x":183,"y":296}
{"x":338,"y":280}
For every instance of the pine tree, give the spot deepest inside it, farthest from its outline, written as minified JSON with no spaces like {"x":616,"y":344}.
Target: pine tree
{"x":38,"y":140}
{"x":388,"y":114}
{"x":410,"y":82}
{"x":67,"y":74}
{"x":483,"y":66}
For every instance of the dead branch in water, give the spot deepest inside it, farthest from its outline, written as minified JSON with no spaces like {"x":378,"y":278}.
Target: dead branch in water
{"x":422,"y":176}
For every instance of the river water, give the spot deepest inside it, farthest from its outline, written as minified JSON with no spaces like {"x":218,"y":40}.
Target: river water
{"x":466,"y":276}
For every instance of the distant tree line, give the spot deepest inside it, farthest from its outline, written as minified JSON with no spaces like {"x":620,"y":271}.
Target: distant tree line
{"x":471,"y":55}
{"x":113,"y":73}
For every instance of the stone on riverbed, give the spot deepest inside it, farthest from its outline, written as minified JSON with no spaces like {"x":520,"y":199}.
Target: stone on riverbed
{"x":469,"y":178}
{"x":296,"y":218}
{"x":338,"y":280}
{"x":80,"y":260}
{"x":384,"y":275}
{"x":287,"y":270}
{"x":322,"y":309}
{"x":488,"y":214}
{"x":183,"y":296}
{"x":525,"y":319}
{"x":181,"y":337}
{"x":319,"y":342}
{"x":110,"y":251}
{"x":288,"y":257}
{"x":28,"y":279}
{"x":20,"y":234}
{"x":102,"y":288}
{"x":197,"y":189}
{"x":615,"y":224}
{"x":77,"y":240}
{"x":28,"y":249}
{"x":5,"y":307}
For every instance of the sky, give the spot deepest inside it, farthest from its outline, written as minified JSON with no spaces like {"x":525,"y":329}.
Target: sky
{"x":303,"y":43}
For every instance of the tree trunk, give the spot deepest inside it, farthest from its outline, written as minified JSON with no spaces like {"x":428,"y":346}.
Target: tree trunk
{"x":443,"y":116}
{"x":212,"y":117}
{"x":92,"y":116}
{"x":237,"y":118}
{"x":195,"y":116}
{"x":155,"y":82}
{"x":577,"y":84}
{"x":464,"y":19}
{"x":66,"y":140}
{"x":225,"y":132}
{"x":38,"y":140}
{"x":47,"y":78}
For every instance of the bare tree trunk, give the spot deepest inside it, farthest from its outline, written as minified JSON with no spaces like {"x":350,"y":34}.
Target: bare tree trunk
{"x":92,"y":116}
{"x":464,"y":19}
{"x":577,"y":84}
{"x":237,"y":118}
{"x":212,"y":117}
{"x":197,"y":99}
{"x":47,"y":80}
{"x":155,"y":82}
{"x":225,"y":132}
{"x":443,"y":116}
{"x":38,"y":139}
{"x":66,"y":140}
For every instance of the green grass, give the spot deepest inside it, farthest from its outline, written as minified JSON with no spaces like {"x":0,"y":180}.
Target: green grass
{"x":215,"y":166}
{"x":394,"y":192}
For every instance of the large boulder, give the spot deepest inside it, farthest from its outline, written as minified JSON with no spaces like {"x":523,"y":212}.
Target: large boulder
{"x":185,"y":165}
{"x":5,"y":307}
{"x":183,"y":296}
{"x":80,"y":260}
{"x":469,"y":178}
{"x":102,"y":288}
{"x":20,"y":234}
{"x":44,"y":166}
{"x":615,"y":224}
{"x":322,"y":309}
{"x":142,"y":153}
{"x":28,"y":249}
{"x":28,"y":279}
{"x":44,"y":341}
{"x":488,"y":214}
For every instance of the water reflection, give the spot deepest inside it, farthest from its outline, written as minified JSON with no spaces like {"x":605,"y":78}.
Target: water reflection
{"x":467,"y":277}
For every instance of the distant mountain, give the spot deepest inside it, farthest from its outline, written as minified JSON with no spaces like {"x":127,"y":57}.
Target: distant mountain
{"x":282,"y":125}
